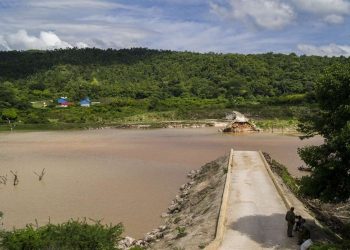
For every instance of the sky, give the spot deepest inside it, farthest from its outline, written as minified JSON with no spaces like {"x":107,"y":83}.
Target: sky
{"x":311,"y":27}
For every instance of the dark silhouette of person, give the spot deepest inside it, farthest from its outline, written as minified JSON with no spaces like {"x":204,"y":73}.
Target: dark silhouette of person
{"x":290,"y":218}
{"x":299,"y":222}
{"x":304,"y":233}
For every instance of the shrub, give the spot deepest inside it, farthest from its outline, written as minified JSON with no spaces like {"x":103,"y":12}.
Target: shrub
{"x":320,"y":246}
{"x":181,"y":232}
{"x":74,"y":234}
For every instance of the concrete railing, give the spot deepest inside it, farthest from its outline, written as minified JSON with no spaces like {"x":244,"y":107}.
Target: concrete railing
{"x":280,"y":191}
{"x":220,"y":226}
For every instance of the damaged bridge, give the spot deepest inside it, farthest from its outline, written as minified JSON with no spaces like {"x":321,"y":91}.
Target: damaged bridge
{"x":253,"y":209}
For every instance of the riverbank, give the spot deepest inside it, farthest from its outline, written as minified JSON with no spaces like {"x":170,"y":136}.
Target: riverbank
{"x":124,"y":125}
{"x":288,"y":127}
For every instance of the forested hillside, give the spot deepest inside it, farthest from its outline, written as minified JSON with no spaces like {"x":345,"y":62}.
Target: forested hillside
{"x":134,"y":81}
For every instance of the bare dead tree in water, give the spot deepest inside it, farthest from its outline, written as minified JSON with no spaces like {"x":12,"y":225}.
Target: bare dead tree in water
{"x":1,"y":217}
{"x":40,"y":175}
{"x":15,"y":179}
{"x":3,"y":179}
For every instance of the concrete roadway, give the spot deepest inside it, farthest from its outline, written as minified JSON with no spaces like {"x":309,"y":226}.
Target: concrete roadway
{"x":255,"y":213}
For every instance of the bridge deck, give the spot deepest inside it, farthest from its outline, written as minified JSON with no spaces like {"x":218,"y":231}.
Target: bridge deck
{"x":255,"y":213}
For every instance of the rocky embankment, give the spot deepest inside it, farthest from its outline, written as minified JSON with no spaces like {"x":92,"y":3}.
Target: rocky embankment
{"x":190,"y":222}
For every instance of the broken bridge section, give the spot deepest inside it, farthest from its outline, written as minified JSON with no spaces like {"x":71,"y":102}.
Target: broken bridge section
{"x":255,"y":210}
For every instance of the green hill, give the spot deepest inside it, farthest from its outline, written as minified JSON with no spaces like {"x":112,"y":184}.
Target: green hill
{"x":131,"y":82}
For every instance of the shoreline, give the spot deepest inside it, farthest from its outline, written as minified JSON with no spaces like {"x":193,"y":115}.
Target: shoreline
{"x":185,"y":124}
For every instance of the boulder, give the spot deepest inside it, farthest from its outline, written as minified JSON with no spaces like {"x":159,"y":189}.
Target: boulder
{"x":165,"y":215}
{"x":174,"y":207}
{"x":149,"y":237}
{"x":126,"y":243}
{"x":141,"y":243}
{"x":162,"y":228}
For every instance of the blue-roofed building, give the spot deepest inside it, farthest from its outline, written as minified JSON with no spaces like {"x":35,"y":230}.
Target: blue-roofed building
{"x":85,"y":102}
{"x":63,"y":102}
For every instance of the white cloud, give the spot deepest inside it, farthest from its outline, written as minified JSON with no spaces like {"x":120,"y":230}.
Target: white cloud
{"x":331,"y":11}
{"x":326,"y":7}
{"x":155,"y":24}
{"x":325,"y":50}
{"x":3,"y":44}
{"x":51,"y":40}
{"x":334,"y":19}
{"x":81,"y":45}
{"x":66,"y":4}
{"x":269,"y":14}
{"x":21,"y":40}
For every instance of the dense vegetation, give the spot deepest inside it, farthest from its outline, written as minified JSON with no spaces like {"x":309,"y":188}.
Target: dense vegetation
{"x":74,"y":234}
{"x":330,"y":162}
{"x":130,"y":83}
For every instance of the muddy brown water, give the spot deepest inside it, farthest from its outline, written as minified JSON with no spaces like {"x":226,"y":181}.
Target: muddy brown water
{"x":127,"y":176}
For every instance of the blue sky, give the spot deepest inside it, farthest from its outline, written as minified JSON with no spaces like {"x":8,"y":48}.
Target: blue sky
{"x":319,"y":27}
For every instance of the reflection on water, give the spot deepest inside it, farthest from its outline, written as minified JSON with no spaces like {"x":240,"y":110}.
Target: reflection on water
{"x":127,"y":176}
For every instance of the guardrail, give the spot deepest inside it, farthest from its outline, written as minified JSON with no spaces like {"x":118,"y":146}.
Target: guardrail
{"x":286,"y":201}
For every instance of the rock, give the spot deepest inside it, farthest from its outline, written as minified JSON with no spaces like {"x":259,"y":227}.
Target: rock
{"x":141,"y":243}
{"x":174,"y":207}
{"x":155,"y":231}
{"x":183,"y":187}
{"x":179,"y":200}
{"x":184,"y":194}
{"x":165,"y":215}
{"x":126,"y":243}
{"x":150,"y":237}
{"x":162,"y":228}
{"x":129,"y":241}
{"x":159,"y":235}
{"x":192,"y":174}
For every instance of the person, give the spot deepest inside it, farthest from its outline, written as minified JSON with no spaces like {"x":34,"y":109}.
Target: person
{"x":290,"y":218}
{"x":304,"y":233}
{"x":298,"y":223}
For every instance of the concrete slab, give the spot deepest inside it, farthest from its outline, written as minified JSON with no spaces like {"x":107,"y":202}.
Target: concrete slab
{"x":255,"y":216}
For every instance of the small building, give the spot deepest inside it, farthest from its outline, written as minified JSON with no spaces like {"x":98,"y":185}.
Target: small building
{"x":85,"y":102}
{"x":39,"y":104}
{"x":63,"y":102}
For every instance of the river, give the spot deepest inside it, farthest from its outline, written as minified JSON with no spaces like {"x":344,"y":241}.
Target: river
{"x":117,"y":175}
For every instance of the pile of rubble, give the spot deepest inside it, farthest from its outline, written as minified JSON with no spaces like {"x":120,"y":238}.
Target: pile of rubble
{"x":239,"y":124}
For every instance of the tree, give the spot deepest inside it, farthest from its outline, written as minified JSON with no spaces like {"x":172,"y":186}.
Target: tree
{"x":7,"y":94}
{"x":330,"y":162}
{"x":9,"y":115}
